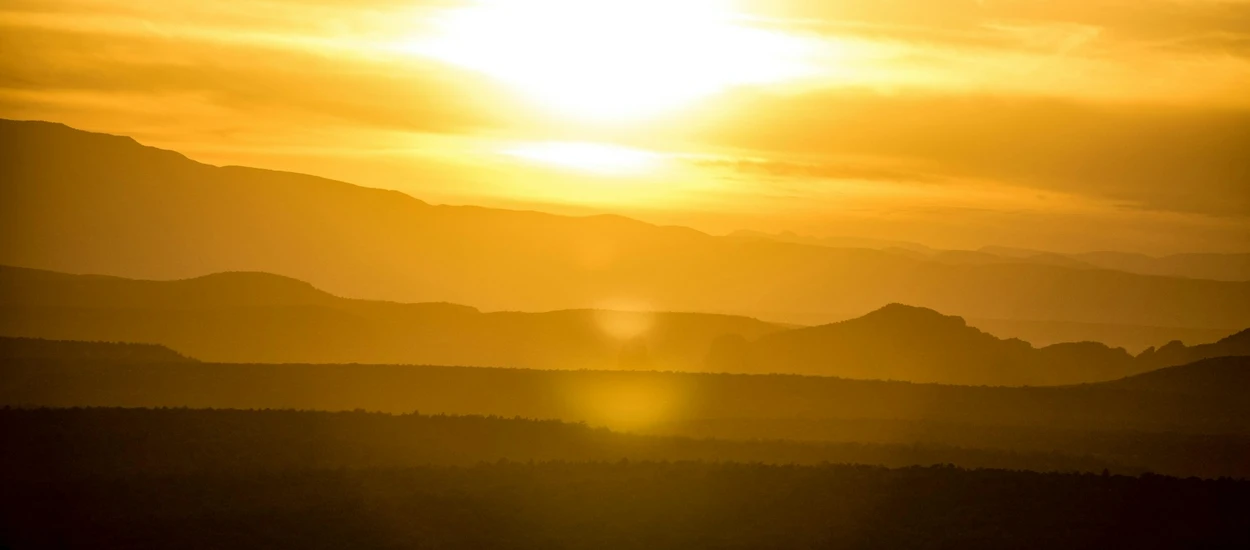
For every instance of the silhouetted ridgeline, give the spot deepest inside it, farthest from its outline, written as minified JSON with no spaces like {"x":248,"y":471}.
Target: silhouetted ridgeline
{"x":1177,"y":353}
{"x":1218,"y":267}
{"x":1223,"y":267}
{"x":123,"y":209}
{"x":906,"y":343}
{"x":629,"y":505}
{"x":57,"y":444}
{"x":256,"y":317}
{"x":935,"y":417}
{"x":619,"y":399}
{"x":1219,"y":376}
{"x":1133,"y":338}
{"x":35,"y":349}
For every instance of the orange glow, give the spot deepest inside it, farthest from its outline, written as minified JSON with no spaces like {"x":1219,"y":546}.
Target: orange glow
{"x":589,"y":157}
{"x":658,"y":274}
{"x":613,"y":60}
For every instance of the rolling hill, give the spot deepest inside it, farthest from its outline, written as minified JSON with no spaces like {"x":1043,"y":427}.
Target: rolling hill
{"x":632,"y":505}
{"x":167,"y":441}
{"x":1133,"y":338}
{"x":899,"y":342}
{"x":258,"y":317}
{"x":1213,"y":266}
{"x":1177,"y":353}
{"x":1188,"y":420}
{"x":120,"y":208}
{"x":634,"y":400}
{"x":902,"y":342}
{"x":1225,"y":376}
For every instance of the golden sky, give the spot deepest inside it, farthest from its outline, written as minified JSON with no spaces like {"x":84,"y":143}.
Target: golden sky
{"x":1062,"y":124}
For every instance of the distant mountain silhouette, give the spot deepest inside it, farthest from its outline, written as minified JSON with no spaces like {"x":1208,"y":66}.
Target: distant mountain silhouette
{"x":834,"y":242}
{"x":1134,"y":338}
{"x":258,"y":317}
{"x":1223,"y":376}
{"x":984,"y":258}
{"x":29,"y":287}
{"x":921,"y":345}
{"x":81,"y":202}
{"x":899,"y":342}
{"x":1218,"y":267}
{"x":38,"y":349}
{"x":1177,"y":353}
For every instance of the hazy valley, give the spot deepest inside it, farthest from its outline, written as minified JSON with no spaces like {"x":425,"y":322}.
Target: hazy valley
{"x":347,"y":356}
{"x":154,"y":214}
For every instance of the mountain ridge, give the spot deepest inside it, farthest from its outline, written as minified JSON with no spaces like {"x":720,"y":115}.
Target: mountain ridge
{"x":900,"y":342}
{"x":170,"y":217}
{"x":249,"y":317}
{"x":286,"y":320}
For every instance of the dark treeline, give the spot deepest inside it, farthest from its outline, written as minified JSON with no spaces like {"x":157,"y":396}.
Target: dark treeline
{"x":643,"y":505}
{"x":1190,"y":420}
{"x":635,"y":400}
{"x":54,"y":444}
{"x":1171,"y":453}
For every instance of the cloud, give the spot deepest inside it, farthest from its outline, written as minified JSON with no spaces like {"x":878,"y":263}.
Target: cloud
{"x":237,"y":82}
{"x":1109,"y":49}
{"x":1163,"y":157}
{"x":835,"y":170}
{"x":1126,"y":20}
{"x":1068,"y":96}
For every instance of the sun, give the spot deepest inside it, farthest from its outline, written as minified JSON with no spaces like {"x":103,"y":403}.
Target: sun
{"x":597,"y":158}
{"x":613,"y":59}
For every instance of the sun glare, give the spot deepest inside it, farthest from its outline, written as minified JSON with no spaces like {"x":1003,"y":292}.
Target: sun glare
{"x":614,"y":59}
{"x":588,"y":157}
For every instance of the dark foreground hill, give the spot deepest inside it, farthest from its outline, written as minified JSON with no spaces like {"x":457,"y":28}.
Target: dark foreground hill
{"x":119,"y":208}
{"x":53,"y":444}
{"x":1201,"y":432}
{"x":615,"y":398}
{"x":1227,"y":376}
{"x":136,"y":478}
{"x":257,"y":317}
{"x":628,"y":505}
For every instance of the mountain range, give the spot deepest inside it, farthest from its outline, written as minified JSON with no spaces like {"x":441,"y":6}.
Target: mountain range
{"x":81,"y":202}
{"x":1217,"y":267}
{"x":899,"y":342}
{"x":258,"y":317}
